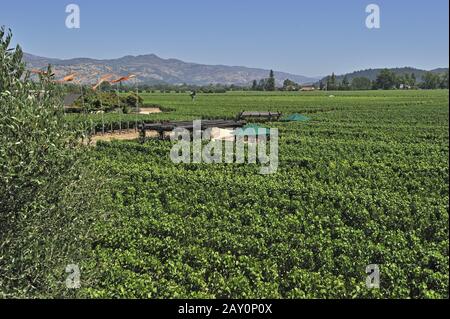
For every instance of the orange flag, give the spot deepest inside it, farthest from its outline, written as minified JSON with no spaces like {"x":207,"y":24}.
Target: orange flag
{"x":124,"y":78}
{"x":68,"y":78}
{"x":103,"y":79}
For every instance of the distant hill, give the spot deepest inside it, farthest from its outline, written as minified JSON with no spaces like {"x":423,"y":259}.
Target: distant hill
{"x":373,"y":73}
{"x":151,"y":69}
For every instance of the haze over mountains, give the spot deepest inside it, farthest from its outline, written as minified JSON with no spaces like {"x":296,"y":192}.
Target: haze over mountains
{"x":151,"y":69}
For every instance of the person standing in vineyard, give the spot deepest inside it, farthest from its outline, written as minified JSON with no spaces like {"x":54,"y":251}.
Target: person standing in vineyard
{"x":193,"y":95}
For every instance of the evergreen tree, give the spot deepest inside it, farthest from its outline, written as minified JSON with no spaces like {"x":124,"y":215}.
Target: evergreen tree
{"x":332,"y":82}
{"x":255,"y":85}
{"x":321,"y":85}
{"x":270,"y":85}
{"x":345,"y":85}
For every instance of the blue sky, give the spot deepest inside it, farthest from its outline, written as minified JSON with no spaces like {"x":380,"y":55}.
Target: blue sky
{"x":303,"y":37}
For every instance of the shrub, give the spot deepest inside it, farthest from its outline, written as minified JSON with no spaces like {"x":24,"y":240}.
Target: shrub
{"x":46,"y":184}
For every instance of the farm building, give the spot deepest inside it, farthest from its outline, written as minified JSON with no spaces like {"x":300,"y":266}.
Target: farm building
{"x":69,"y":102}
{"x":308,"y":88}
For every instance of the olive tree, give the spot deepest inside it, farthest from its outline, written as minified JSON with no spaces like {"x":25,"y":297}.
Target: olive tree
{"x":48,"y":188}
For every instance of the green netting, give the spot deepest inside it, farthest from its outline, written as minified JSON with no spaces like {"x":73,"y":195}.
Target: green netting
{"x":252,"y":130}
{"x":296,"y":118}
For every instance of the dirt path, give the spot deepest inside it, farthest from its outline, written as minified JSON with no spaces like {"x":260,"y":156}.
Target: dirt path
{"x":108,"y":137}
{"x":149,"y":110}
{"x":119,"y":136}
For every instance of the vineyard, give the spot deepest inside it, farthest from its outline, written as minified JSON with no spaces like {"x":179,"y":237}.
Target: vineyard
{"x":366,"y":181}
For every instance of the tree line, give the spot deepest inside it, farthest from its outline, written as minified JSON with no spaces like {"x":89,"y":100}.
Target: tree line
{"x":386,"y":80}
{"x":267,"y":84}
{"x":174,"y":88}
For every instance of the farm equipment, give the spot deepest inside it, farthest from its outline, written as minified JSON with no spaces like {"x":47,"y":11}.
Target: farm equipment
{"x":254,"y":116}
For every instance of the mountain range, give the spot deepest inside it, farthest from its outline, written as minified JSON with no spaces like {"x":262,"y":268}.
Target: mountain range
{"x":151,"y":69}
